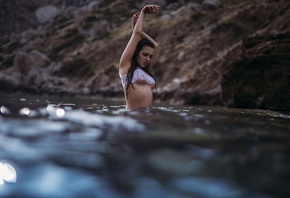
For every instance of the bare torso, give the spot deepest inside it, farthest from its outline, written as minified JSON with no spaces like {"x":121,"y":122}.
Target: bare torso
{"x":137,"y":58}
{"x":139,"y":96}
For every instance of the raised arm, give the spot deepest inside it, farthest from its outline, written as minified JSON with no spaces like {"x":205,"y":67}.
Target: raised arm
{"x":153,"y":60}
{"x":128,"y":53}
{"x":144,"y":35}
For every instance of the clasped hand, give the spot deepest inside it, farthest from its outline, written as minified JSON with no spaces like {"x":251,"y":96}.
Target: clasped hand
{"x":151,"y":9}
{"x":148,"y":9}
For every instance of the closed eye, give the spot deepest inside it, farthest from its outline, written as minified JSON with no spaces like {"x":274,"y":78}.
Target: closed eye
{"x":146,"y":54}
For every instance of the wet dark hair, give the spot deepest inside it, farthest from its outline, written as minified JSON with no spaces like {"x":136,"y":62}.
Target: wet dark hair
{"x":134,"y":64}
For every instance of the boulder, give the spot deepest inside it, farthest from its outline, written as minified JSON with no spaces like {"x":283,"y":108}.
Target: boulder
{"x":211,"y":4}
{"x":261,"y":77}
{"x":46,"y":13}
{"x":26,"y":61}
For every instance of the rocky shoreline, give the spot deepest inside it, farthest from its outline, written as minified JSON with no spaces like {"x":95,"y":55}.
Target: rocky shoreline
{"x":212,"y":52}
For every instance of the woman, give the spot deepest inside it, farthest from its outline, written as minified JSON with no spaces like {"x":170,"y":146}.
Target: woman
{"x":136,"y":60}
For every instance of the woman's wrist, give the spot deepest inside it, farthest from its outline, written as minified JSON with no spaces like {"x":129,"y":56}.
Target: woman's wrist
{"x":150,"y":9}
{"x":142,"y":12}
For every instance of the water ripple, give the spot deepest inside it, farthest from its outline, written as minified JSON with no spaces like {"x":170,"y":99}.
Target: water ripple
{"x":115,"y":123}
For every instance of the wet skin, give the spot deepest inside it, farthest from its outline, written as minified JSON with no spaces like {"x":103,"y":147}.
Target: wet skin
{"x":140,"y":94}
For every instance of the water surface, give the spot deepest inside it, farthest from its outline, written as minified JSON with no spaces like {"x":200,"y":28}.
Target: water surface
{"x":68,"y":147}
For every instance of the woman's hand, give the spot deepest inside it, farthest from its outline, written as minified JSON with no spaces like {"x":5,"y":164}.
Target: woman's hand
{"x":150,"y":9}
{"x":134,"y":19}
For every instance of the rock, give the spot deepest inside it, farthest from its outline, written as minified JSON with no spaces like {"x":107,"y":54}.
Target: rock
{"x":270,"y":1}
{"x":46,"y":13}
{"x":184,"y":10}
{"x":161,"y":3}
{"x":78,"y":51}
{"x":211,"y":4}
{"x":26,"y":61}
{"x":260,"y":78}
{"x":28,"y":71}
{"x":93,"y":5}
{"x":18,"y":16}
{"x":194,"y":6}
{"x":73,"y":3}
{"x":10,"y":80}
{"x":38,"y":59}
{"x":100,"y":29}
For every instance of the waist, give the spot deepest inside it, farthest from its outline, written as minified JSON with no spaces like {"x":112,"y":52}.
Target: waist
{"x":140,"y":95}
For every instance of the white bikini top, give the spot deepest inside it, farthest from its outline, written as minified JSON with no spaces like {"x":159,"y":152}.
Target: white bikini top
{"x":139,"y":74}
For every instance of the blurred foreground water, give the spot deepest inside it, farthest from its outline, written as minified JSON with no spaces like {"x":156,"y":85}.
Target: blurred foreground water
{"x":67,"y":147}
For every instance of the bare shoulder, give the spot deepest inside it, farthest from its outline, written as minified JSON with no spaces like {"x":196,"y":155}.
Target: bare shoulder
{"x":123,"y":68}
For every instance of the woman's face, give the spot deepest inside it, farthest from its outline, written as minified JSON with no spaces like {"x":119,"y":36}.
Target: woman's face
{"x":145,"y":56}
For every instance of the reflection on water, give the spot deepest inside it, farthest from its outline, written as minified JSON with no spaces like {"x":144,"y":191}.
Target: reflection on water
{"x":24,"y":111}
{"x":4,"y":110}
{"x":7,"y":173}
{"x":66,"y":147}
{"x":55,"y":112}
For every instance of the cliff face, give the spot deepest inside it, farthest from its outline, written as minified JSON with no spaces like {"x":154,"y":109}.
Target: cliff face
{"x":261,"y":77}
{"x":201,"y":49}
{"x":17,"y":16}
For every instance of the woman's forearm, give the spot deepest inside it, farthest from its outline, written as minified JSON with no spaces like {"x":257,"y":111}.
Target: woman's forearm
{"x":139,"y":24}
{"x":144,"y":35}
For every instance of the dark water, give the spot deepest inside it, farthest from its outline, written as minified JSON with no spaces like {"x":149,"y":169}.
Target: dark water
{"x":67,"y":147}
